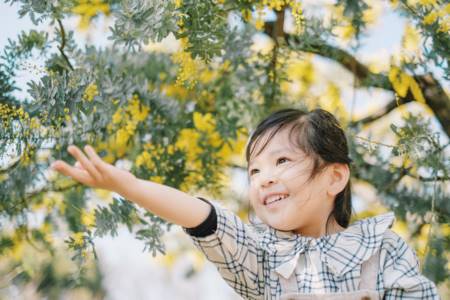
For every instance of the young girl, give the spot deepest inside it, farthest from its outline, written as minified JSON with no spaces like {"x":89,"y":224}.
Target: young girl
{"x":299,"y":187}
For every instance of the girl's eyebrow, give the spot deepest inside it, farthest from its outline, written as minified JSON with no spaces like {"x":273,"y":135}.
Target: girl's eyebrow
{"x":271,"y":153}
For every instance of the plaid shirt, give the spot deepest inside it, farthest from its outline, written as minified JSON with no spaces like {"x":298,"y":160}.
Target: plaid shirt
{"x":263,"y":263}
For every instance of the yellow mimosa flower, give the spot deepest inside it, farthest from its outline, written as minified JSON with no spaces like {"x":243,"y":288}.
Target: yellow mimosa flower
{"x":90,"y":92}
{"x":78,"y":238}
{"x":204,"y":122}
{"x":88,"y":218}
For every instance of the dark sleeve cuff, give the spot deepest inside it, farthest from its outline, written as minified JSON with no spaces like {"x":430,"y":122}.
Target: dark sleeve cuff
{"x":207,"y":227}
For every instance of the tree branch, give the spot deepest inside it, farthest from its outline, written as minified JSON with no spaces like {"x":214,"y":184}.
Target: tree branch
{"x":63,"y":43}
{"x":434,"y":94}
{"x":274,"y":30}
{"x":393,"y":104}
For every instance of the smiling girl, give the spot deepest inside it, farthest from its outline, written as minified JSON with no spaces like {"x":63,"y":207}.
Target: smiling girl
{"x":299,"y":187}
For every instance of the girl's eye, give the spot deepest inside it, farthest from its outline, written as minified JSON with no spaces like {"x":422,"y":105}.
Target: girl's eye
{"x":282,"y":158}
{"x":252,"y":171}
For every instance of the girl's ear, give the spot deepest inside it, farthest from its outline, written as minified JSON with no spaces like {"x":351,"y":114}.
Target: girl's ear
{"x":339,"y":175}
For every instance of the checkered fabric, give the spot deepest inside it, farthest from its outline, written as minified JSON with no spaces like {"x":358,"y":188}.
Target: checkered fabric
{"x":266,"y":263}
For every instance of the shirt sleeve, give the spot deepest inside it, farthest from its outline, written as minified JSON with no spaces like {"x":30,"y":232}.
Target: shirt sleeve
{"x":207,"y":227}
{"x":232,"y":248}
{"x":401,"y":275}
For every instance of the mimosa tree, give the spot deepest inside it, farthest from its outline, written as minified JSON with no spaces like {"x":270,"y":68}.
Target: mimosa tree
{"x":182,"y":117}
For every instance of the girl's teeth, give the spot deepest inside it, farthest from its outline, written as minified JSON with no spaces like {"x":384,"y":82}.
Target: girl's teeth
{"x":277,"y":199}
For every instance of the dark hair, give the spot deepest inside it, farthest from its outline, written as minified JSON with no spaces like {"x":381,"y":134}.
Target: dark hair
{"x":319,"y":135}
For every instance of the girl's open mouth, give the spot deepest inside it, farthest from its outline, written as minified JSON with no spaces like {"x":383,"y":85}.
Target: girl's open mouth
{"x":274,"y":201}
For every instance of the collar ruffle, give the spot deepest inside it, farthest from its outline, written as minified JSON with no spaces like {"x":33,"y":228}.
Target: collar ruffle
{"x":341,"y":251}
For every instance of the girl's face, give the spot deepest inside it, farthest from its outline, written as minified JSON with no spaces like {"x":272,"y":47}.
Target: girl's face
{"x":281,"y":169}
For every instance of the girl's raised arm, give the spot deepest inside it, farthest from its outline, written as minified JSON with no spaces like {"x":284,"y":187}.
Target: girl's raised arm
{"x":168,"y":203}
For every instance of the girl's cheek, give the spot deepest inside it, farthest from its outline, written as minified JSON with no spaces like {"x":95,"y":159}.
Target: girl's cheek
{"x":253,"y":197}
{"x":287,"y":174}
{"x":253,"y":182}
{"x":296,"y":174}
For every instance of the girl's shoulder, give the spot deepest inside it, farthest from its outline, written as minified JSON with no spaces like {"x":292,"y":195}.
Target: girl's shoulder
{"x":346,"y":250}
{"x":379,"y":222}
{"x":379,"y":228}
{"x":393,"y":249}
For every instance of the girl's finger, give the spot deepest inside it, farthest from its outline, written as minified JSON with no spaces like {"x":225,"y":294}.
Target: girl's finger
{"x":78,"y":165}
{"x":85,"y":162}
{"x":79,"y":175}
{"x":93,"y":156}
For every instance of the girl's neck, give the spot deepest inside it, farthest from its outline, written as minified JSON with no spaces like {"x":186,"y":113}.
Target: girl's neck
{"x":315,"y":231}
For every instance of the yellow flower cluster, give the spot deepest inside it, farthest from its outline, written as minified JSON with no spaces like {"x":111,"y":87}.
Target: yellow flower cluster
{"x":78,"y":238}
{"x":175,"y":91}
{"x":301,"y":76}
{"x":17,"y":249}
{"x":431,"y":18}
{"x":105,"y":195}
{"x":345,"y":31}
{"x":88,"y":9}
{"x":50,"y":200}
{"x":157,"y":179}
{"x":47,"y":230}
{"x":3,"y":177}
{"x":411,"y":39}
{"x":90,"y":92}
{"x":186,"y":141}
{"x":331,"y":101}
{"x":190,"y":70}
{"x":440,"y":15}
{"x":402,"y":82}
{"x":188,"y":67}
{"x":297,"y":13}
{"x":87,"y":218}
{"x":27,"y":155}
{"x":151,"y":153}
{"x":370,"y":15}
{"x":205,"y":74}
{"x":124,"y":123}
{"x":178,"y":3}
{"x":193,"y":141}
{"x":259,"y":22}
{"x":30,"y":127}
{"x":427,"y":2}
{"x":204,"y":122}
{"x":9,"y":113}
{"x":246,"y":15}
{"x":145,"y":159}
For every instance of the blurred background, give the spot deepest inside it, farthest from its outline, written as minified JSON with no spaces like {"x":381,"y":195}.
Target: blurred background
{"x":165,"y":88}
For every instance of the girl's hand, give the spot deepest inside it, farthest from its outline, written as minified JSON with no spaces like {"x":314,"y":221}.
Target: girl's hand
{"x":93,"y":171}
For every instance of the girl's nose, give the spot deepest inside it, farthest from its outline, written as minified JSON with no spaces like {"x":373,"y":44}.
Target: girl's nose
{"x":267,"y":179}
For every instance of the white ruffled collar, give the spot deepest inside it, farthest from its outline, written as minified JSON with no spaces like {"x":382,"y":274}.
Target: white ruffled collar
{"x":340,"y":251}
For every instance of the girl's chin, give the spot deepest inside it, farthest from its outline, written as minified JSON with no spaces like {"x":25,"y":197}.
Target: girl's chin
{"x":281,"y":227}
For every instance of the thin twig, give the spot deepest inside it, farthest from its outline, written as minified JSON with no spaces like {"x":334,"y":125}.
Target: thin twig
{"x":63,"y":43}
{"x":372,"y":142}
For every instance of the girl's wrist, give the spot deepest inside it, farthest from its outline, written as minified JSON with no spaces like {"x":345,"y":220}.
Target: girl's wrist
{"x":125,"y":184}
